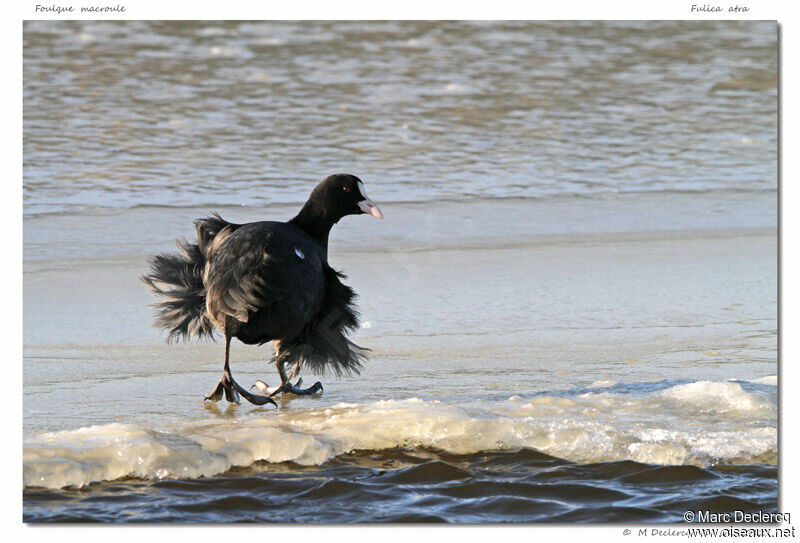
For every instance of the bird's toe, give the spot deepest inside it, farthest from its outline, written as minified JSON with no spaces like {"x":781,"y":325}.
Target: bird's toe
{"x":216,"y":394}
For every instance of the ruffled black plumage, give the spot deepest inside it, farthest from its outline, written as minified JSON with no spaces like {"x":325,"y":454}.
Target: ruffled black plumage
{"x":323,"y":343}
{"x":266,"y":281}
{"x":178,"y":279}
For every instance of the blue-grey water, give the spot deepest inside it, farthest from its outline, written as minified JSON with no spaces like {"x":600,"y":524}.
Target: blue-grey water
{"x":571,"y":302}
{"x":175,"y":113}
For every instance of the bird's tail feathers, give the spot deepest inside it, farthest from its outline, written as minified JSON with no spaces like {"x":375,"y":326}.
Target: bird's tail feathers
{"x":178,"y":279}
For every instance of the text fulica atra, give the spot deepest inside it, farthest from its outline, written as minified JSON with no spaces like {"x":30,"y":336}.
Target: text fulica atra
{"x":267,"y":281}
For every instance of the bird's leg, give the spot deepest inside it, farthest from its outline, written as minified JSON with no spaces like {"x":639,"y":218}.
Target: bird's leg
{"x":224,"y":385}
{"x":231,"y":388}
{"x":295,"y":373}
{"x":285,"y":383}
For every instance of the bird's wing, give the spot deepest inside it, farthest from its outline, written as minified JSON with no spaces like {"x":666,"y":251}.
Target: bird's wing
{"x":250,"y":271}
{"x":212,"y":232}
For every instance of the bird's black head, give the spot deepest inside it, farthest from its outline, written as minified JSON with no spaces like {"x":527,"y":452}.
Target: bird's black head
{"x":335,"y":197}
{"x":343,"y":194}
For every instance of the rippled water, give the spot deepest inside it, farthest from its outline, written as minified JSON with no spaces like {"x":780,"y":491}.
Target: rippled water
{"x":397,"y":485}
{"x":176,"y":113}
{"x":571,"y":302}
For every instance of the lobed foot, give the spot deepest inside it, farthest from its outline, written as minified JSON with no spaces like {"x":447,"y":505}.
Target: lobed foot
{"x":233,"y":390}
{"x":225,"y":386}
{"x":216,"y":394}
{"x":289,"y":388}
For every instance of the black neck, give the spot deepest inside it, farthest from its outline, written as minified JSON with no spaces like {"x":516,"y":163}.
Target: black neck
{"x":315,"y":222}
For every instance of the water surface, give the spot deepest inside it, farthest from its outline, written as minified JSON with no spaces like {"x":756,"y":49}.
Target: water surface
{"x":200,"y":113}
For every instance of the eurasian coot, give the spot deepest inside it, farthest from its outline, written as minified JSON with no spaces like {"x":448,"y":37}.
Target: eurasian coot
{"x":267,"y":281}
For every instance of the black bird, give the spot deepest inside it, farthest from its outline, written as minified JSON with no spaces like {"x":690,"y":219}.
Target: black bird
{"x":267,"y":281}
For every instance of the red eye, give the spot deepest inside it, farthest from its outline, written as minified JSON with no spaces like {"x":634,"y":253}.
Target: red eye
{"x":346,"y":189}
